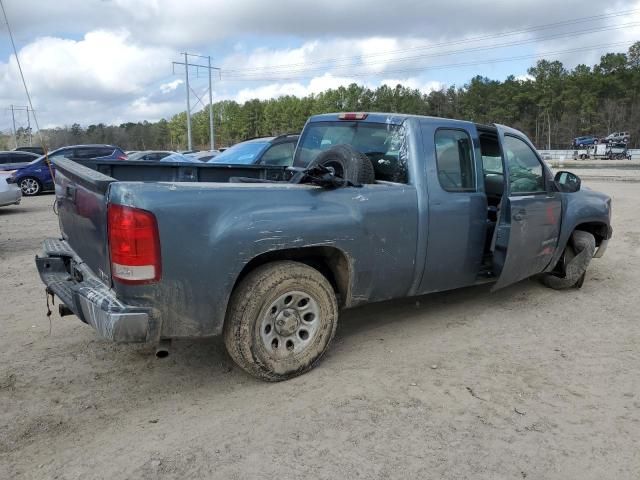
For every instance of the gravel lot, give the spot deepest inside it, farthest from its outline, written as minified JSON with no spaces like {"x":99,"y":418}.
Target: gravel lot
{"x":525,"y":383}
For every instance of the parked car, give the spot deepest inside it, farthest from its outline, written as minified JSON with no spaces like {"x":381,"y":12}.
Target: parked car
{"x":384,"y":206}
{"x":35,"y":177}
{"x":260,"y":151}
{"x":14,"y":159}
{"x":586,"y":140}
{"x":187,"y":152}
{"x":618,"y":137}
{"x":36,"y":150}
{"x":150,"y":155}
{"x":205,"y":156}
{"x":10,"y":193}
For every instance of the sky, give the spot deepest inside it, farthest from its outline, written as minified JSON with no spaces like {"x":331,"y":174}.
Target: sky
{"x":110,"y":61}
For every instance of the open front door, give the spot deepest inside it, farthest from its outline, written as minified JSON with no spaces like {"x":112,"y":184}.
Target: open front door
{"x":529,"y":218}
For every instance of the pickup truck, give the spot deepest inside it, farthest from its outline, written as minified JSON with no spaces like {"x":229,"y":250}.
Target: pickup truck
{"x":154,"y":252}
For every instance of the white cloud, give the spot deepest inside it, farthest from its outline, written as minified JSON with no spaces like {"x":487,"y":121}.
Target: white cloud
{"x":109,"y":61}
{"x":413,"y":82}
{"x":170,"y":86}
{"x":524,"y":78}
{"x":198,"y":22}
{"x":102,"y":65}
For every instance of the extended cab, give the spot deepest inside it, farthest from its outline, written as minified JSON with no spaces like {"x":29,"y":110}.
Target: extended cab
{"x":152,"y":253}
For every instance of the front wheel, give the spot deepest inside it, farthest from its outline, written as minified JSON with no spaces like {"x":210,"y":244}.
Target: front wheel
{"x":30,"y":186}
{"x":280,"y":320}
{"x":572,"y":267}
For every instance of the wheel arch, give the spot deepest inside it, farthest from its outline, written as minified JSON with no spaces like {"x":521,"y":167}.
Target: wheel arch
{"x":331,"y":262}
{"x":599,"y":230}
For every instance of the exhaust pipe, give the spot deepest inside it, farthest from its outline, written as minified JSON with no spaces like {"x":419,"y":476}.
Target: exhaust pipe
{"x":162,"y":350}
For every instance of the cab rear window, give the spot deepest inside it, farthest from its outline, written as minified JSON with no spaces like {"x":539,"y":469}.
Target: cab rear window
{"x":384,"y":144}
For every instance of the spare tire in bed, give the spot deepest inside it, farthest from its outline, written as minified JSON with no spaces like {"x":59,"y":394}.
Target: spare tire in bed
{"x":347,"y":163}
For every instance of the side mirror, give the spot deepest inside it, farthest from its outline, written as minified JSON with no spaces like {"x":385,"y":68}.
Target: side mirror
{"x":567,"y":181}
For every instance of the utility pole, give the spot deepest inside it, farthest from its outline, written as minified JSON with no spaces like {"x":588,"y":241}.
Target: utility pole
{"x":21,"y":108}
{"x":186,"y":77}
{"x":29,"y":128}
{"x":15,"y":134}
{"x":188,"y":88}
{"x":212,"y":138}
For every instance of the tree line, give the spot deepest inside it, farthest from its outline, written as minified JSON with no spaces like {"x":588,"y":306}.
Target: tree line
{"x":552,"y":105}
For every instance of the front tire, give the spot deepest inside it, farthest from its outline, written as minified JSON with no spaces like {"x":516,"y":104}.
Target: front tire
{"x":280,"y":321}
{"x":30,"y":186}
{"x":576,"y":258}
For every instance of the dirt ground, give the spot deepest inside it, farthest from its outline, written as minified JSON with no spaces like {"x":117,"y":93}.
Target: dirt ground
{"x":524,"y":383}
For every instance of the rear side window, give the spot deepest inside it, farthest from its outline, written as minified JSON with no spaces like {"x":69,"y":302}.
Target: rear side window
{"x":384,"y":144}
{"x":454,"y":159}
{"x":92,"y":152}
{"x":281,"y":154}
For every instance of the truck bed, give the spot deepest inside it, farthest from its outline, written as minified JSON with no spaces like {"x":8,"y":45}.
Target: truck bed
{"x":151,"y":171}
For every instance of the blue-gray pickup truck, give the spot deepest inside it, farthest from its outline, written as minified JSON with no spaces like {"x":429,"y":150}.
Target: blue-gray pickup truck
{"x":376,"y":207}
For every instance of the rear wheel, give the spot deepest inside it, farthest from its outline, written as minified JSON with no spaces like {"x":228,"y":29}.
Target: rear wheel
{"x":280,"y":321}
{"x":572,"y":267}
{"x":30,"y":186}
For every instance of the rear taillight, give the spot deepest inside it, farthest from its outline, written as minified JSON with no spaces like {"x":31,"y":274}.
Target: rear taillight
{"x":352,"y":116}
{"x":134,"y":245}
{"x":122,"y":157}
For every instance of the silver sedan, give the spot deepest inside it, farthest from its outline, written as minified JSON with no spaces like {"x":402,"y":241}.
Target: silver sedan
{"x":10,"y":193}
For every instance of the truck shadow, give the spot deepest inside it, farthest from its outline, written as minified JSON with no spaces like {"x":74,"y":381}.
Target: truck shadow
{"x":428,"y":314}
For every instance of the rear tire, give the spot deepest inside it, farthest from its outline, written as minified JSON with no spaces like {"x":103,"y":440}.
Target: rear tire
{"x":347,"y":163}
{"x":577,"y":256}
{"x":30,"y":186}
{"x":280,"y":321}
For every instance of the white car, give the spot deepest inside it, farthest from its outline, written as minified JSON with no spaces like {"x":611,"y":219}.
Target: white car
{"x":10,"y":194}
{"x":617,"y":137}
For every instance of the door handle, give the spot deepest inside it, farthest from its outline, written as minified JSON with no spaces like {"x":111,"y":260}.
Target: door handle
{"x":70,"y":192}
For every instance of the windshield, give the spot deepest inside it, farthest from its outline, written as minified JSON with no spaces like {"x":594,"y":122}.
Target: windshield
{"x":383,"y":143}
{"x":244,"y":153}
{"x":178,"y":157}
{"x":137,"y":155}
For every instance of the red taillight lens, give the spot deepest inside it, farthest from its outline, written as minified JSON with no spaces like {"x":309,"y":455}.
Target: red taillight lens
{"x":134,"y":245}
{"x":123,"y":157}
{"x":352,"y":116}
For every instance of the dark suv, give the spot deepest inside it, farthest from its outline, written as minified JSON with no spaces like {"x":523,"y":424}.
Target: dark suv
{"x":15,"y":159}
{"x":261,"y":151}
{"x":36,"y":150}
{"x":36,"y":177}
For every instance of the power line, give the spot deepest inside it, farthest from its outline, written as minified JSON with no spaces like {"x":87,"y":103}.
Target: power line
{"x":432,"y":55}
{"x":15,"y":51}
{"x":439,"y":54}
{"x":450,"y":65}
{"x":448,"y":43}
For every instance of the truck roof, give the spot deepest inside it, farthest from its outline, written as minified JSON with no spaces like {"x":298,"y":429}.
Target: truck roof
{"x":380,"y":117}
{"x":398,"y":118}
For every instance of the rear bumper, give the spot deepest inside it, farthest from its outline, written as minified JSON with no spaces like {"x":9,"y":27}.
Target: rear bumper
{"x":11,"y":196}
{"x":66,"y":277}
